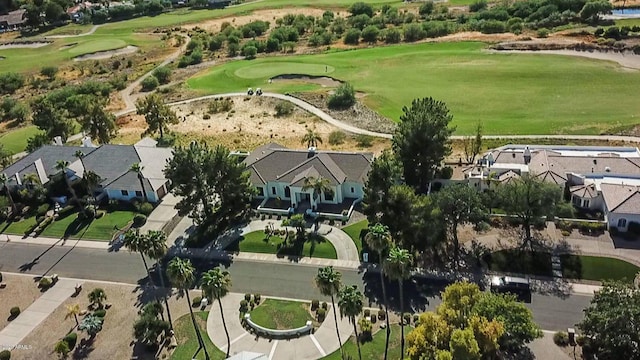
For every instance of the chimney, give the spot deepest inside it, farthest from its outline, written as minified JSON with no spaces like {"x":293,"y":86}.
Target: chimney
{"x":311,"y":152}
{"x":527,"y":155}
{"x":86,"y":142}
{"x":57,"y":140}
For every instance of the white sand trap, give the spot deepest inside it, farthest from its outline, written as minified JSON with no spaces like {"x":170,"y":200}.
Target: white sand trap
{"x":100,"y":55}
{"x":626,"y":59}
{"x":18,"y":45}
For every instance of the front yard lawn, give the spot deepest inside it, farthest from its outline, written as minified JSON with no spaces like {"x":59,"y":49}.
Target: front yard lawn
{"x":19,"y":227}
{"x":521,"y":262}
{"x":354,"y":231}
{"x":597,"y":268}
{"x":281,"y":314}
{"x":256,"y":242}
{"x":98,"y":229}
{"x":187,"y":340}
{"x":374,"y":349}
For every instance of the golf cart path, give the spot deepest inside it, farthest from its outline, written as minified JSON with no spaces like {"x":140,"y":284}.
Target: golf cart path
{"x":91,"y":31}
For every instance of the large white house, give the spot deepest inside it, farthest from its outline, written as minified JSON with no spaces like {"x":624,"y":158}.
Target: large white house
{"x":280,"y":173}
{"x":599,"y":179}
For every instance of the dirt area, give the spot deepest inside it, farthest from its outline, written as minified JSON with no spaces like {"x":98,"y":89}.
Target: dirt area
{"x":107,"y":54}
{"x":21,"y":291}
{"x":251,"y":122}
{"x":264,"y":15}
{"x":24,"y":44}
{"x":115,"y":341}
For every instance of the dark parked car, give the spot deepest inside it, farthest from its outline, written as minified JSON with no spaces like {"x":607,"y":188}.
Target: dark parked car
{"x":520,"y":287}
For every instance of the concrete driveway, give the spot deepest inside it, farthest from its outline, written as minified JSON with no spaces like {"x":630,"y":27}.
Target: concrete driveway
{"x":162,"y":214}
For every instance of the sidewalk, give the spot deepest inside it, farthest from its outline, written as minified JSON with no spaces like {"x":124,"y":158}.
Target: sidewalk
{"x":30,"y":318}
{"x":323,"y":342}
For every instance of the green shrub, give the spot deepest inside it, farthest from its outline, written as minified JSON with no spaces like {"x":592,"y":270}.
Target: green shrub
{"x":364,"y":141}
{"x":365,"y":329}
{"x":145,"y":208}
{"x":65,"y":211}
{"x":314,"y":305}
{"x":561,"y":338}
{"x":42,"y":209}
{"x":62,"y":349}
{"x":196,"y":301}
{"x":284,"y":108}
{"x":220,"y":105}
{"x":139,"y":220}
{"x":244,"y":306}
{"x":337,"y":137}
{"x":324,"y":303}
{"x":381,"y":315}
{"x":163,"y":74}
{"x":15,"y":311}
{"x":446,"y":172}
{"x":565,"y":233}
{"x":321,"y":314}
{"x":426,"y":8}
{"x":543,"y":33}
{"x":45,"y":282}
{"x":150,"y":83}
{"x":478,"y":5}
{"x":101,"y":313}
{"x":257,"y":298}
{"x":407,"y":318}
{"x":352,"y":36}
{"x":5,"y":355}
{"x":247,"y":297}
{"x":71,"y":339}
{"x":580,"y":340}
{"x":344,"y":97}
{"x":367,"y":312}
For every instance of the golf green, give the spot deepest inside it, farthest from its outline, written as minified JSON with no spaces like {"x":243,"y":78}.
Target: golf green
{"x":96,"y":46}
{"x":509,"y":93}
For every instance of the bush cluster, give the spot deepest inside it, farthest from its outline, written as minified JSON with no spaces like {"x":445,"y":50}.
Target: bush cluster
{"x":5,"y":355}
{"x":343,"y":97}
{"x":14,"y":311}
{"x":196,"y":301}
{"x":71,"y":339}
{"x":220,"y":105}
{"x":561,"y":338}
{"x":284,"y":108}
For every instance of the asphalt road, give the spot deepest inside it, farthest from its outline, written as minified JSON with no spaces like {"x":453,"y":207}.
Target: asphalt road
{"x":286,"y":280}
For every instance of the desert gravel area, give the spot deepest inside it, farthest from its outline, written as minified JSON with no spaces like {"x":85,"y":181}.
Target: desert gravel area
{"x":21,"y":291}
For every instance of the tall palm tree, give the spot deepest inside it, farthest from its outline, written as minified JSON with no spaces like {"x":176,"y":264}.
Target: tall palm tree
{"x":318,"y":185}
{"x":136,"y":242}
{"x":73,"y":311}
{"x":156,"y":249}
{"x":91,"y":180}
{"x":78,"y":154}
{"x":31,"y":179}
{"x":216,"y":284}
{"x":328,"y":282}
{"x":398,"y":267}
{"x":137,"y":168}
{"x":350,"y":304}
{"x":4,"y":179}
{"x":182,"y":274}
{"x":62,"y":166}
{"x":379,"y":240}
{"x":311,"y":138}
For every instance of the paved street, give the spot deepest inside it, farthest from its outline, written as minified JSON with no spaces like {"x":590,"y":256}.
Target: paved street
{"x":287,"y":280}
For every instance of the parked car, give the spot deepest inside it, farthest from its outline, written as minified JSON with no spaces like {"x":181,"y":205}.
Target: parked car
{"x":520,"y":287}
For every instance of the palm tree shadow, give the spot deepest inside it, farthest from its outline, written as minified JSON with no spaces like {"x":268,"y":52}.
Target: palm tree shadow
{"x":84,"y":348}
{"x":76,"y":226}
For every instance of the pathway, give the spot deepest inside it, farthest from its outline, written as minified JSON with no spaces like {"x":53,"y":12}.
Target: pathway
{"x":323,"y":342}
{"x":30,"y":318}
{"x":91,"y":31}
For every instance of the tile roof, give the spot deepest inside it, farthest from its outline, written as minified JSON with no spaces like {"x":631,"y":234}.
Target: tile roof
{"x":621,"y":198}
{"x":49,"y":156}
{"x":110,"y":162}
{"x":16,"y":17}
{"x":586,"y":191}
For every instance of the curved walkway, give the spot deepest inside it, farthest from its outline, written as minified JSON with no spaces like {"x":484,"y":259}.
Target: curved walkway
{"x":91,"y":31}
{"x":322,"y":342}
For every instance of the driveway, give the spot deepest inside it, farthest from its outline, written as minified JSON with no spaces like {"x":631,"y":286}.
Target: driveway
{"x":162,"y":214}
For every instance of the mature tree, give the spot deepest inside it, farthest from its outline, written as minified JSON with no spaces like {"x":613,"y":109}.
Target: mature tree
{"x":63,"y":167}
{"x":311,"y":138}
{"x":53,"y":12}
{"x":463,"y":345}
{"x":214,"y":186}
{"x":73,"y":310}
{"x":6,"y":157}
{"x":431,"y":335}
{"x":611,"y":322}
{"x":397,"y":215}
{"x":137,"y":242}
{"x":156,"y":249}
{"x":350,"y":304}
{"x":156,"y":113}
{"x":421,"y":140}
{"x":50,"y":119}
{"x":297,"y":221}
{"x":137,"y":169}
{"x":97,"y":297}
{"x":5,"y":179}
{"x":457,"y":303}
{"x":473,"y":145}
{"x":329,"y":282}
{"x":182,"y":274}
{"x":318,"y":186}
{"x":592,"y":9}
{"x":385,"y":172}
{"x":148,"y":329}
{"x":529,"y":198}
{"x":459,"y":204}
{"x":91,"y":181}
{"x":37,"y":141}
{"x":91,"y":324}
{"x":398,"y":267}
{"x":216,"y":283}
{"x":379,"y":240}
{"x":98,"y":123}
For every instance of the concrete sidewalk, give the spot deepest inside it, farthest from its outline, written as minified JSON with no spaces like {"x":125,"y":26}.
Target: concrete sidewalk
{"x":30,"y":318}
{"x":323,"y":342}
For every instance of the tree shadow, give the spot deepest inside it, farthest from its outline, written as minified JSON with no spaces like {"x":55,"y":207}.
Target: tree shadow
{"x":84,"y":348}
{"x":76,"y":226}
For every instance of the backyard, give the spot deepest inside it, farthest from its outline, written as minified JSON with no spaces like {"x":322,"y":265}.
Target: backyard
{"x":257,"y":242}
{"x":543,"y":93}
{"x":281,"y":314}
{"x":15,"y":140}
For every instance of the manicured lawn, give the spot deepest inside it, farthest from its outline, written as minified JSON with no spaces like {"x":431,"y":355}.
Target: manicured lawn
{"x":18,"y":227}
{"x":98,"y":229}
{"x":597,"y":268}
{"x":256,"y":242}
{"x":374,"y":349}
{"x":510,"y":93}
{"x":521,"y":262}
{"x":187,"y":340}
{"x":281,"y":314}
{"x":15,"y":141}
{"x":354,"y":231}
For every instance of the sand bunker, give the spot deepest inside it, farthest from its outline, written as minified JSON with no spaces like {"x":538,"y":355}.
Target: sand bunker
{"x":30,"y":44}
{"x":324,"y":81}
{"x":68,"y":46}
{"x":107,"y":54}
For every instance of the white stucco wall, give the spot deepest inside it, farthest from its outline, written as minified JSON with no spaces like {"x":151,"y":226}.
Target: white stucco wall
{"x":358,"y":190}
{"x":613,"y":219}
{"x":117,"y":195}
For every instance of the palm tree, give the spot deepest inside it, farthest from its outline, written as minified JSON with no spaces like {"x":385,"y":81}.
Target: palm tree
{"x":136,"y":242}
{"x":311,"y":138}
{"x":379,"y":240}
{"x":182,"y":274}
{"x":97,"y":296}
{"x":319,"y":186}
{"x":350,"y":304}
{"x":137,"y":168}
{"x":73,"y":311}
{"x":156,"y":249}
{"x":216,"y":284}
{"x":91,"y":180}
{"x":31,"y":179}
{"x":62,"y":165}
{"x":328,"y":282}
{"x":398,"y":267}
{"x":78,"y":154}
{"x":4,"y":179}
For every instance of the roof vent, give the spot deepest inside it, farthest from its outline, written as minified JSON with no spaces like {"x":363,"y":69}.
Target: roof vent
{"x":513,"y":155}
{"x":312,"y":151}
{"x":595,"y":161}
{"x":607,"y":169}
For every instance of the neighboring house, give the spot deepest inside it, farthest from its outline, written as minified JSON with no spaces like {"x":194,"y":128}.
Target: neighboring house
{"x":13,"y":20}
{"x":280,"y":173}
{"x":76,"y":12}
{"x":111,"y":162}
{"x":598,"y":179}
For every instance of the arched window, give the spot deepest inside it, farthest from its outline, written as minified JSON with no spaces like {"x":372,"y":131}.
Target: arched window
{"x":287,"y":192}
